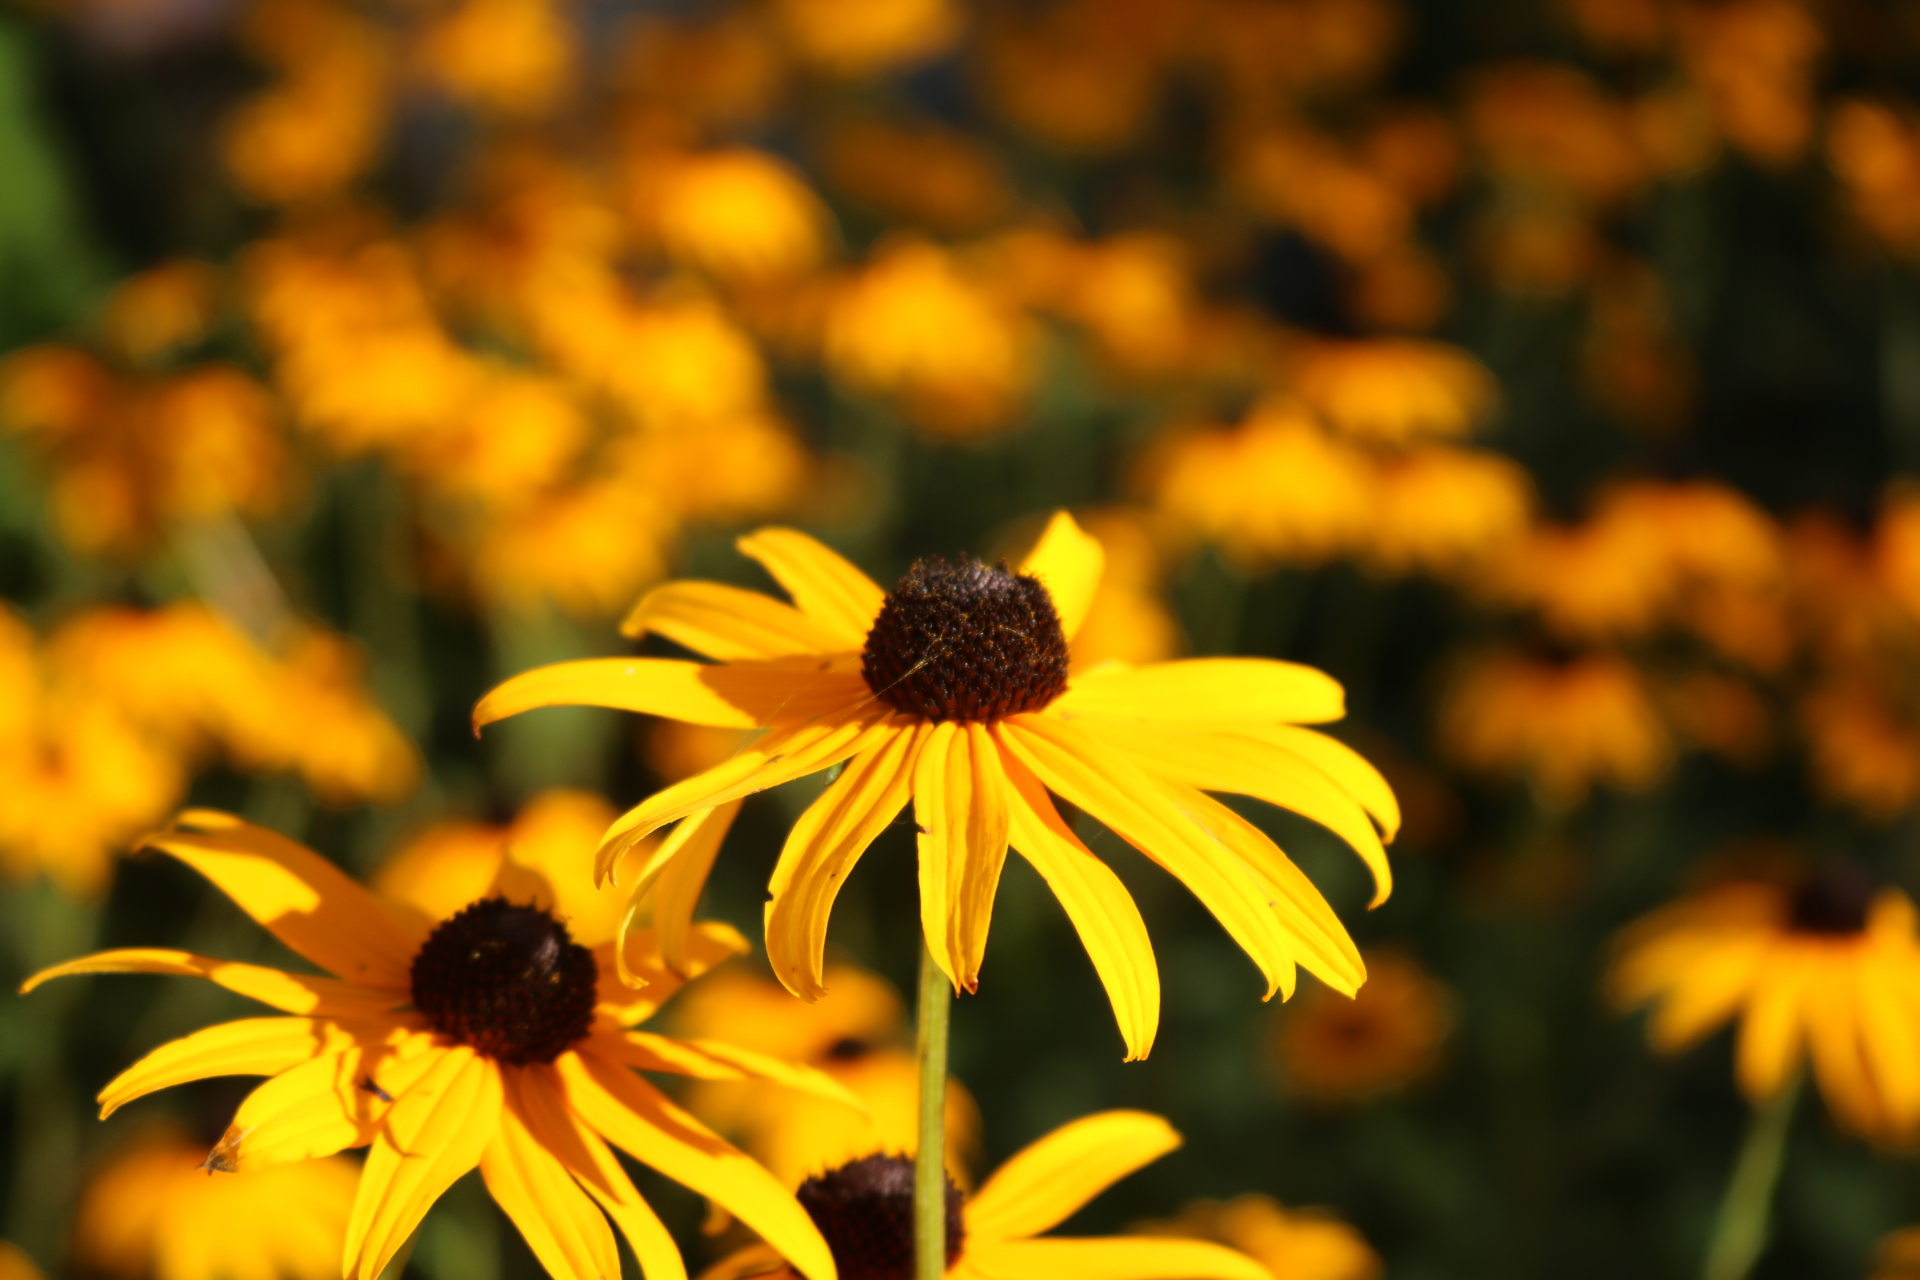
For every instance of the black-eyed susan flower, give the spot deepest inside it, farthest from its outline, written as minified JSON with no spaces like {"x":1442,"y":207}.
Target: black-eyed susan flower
{"x":489,"y":1038}
{"x":1830,"y":971}
{"x":953,"y":691}
{"x":865,"y":1211}
{"x":1384,"y":1038}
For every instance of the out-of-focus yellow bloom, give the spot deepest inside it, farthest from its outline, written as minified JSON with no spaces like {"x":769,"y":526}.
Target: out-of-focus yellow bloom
{"x":152,"y":1210}
{"x":1828,"y":968}
{"x":1446,"y":511}
{"x":1861,"y":753}
{"x":1875,"y":152}
{"x":1293,"y":1244}
{"x":1069,"y":74}
{"x":511,"y":56}
{"x":589,"y":549}
{"x":913,"y":325}
{"x":919,"y":172}
{"x":1720,"y":713}
{"x":513,"y":441}
{"x":864,"y":37}
{"x":1295,"y":176}
{"x":675,"y":361}
{"x":1271,"y":54}
{"x":1133,"y":294}
{"x":1541,"y":123}
{"x":857,"y":1035}
{"x":1129,"y":620}
{"x":675,"y":749}
{"x":164,"y":307}
{"x":1621,"y":26}
{"x":1897,"y":547}
{"x":1274,"y":488}
{"x":1755,"y":59}
{"x":1562,"y":725}
{"x":132,"y":457}
{"x":738,"y":214}
{"x":1394,"y":390}
{"x":722,"y":69}
{"x":1386,"y":1037}
{"x":15,"y":1264}
{"x":1898,"y":1256}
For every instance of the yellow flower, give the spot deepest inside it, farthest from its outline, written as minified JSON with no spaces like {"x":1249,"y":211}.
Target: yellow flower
{"x":152,"y":1211}
{"x":15,"y":1264}
{"x":1446,"y":511}
{"x":864,"y":1209}
{"x":1898,"y":1256}
{"x":1861,"y":752}
{"x":1387,"y":1036}
{"x":1394,"y":390}
{"x":739,"y":214}
{"x":162,"y":308}
{"x":864,"y":37}
{"x":490,"y":1038}
{"x":857,"y":1035}
{"x":1128,"y":620}
{"x":1293,"y":1244}
{"x":511,"y":56}
{"x":1829,"y":969}
{"x":953,"y":690}
{"x":918,"y":172}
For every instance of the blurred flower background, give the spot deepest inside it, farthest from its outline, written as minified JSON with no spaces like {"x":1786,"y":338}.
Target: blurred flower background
{"x":1546,"y":371}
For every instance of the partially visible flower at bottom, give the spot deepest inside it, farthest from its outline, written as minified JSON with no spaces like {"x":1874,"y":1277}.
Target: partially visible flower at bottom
{"x":488,"y":1039}
{"x":1897,"y":1258}
{"x":1829,"y":970}
{"x":1293,"y":1244}
{"x":15,"y":1264}
{"x":865,"y":1211}
{"x":152,"y":1211}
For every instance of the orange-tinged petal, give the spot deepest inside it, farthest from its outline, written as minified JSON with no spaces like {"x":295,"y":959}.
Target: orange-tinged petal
{"x":1068,"y":561}
{"x":821,"y":850}
{"x":668,"y":886}
{"x":712,"y":1060}
{"x":635,"y":1116}
{"x":433,"y":1134}
{"x":556,"y":1218}
{"x":708,"y":943}
{"x":1047,"y":1182}
{"x":1116,"y":792}
{"x":960,"y":808}
{"x":730,"y":624}
{"x":825,"y":585}
{"x":1206,"y":691}
{"x":304,"y":900}
{"x":248,"y":1047}
{"x":653,"y":686}
{"x":292,"y":992}
{"x":1102,"y":911}
{"x":1111,"y":1258}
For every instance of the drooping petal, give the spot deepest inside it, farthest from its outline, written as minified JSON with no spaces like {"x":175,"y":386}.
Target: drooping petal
{"x":248,"y":1047}
{"x":960,"y":808}
{"x":1204,"y":691}
{"x":1112,"y":1258}
{"x":1248,"y":767}
{"x":1046,"y":1182}
{"x":1712,"y":989}
{"x":746,"y":695}
{"x":1835,"y":1048}
{"x":292,"y":992}
{"x":708,"y":943}
{"x":432,"y":1134}
{"x":1350,"y":770}
{"x":668,"y":887}
{"x":1770,"y":1042}
{"x":712,"y":1060}
{"x":825,"y":585}
{"x":300,"y":897}
{"x":1116,"y":792}
{"x":821,"y":850}
{"x":1890,"y":1037}
{"x":556,"y":1218}
{"x":729,"y":624}
{"x":1102,"y":911}
{"x":635,"y":1116}
{"x":1068,"y":561}
{"x":542,"y":1101}
{"x":781,"y":756}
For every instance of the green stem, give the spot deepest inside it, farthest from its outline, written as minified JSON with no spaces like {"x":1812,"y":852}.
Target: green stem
{"x":930,"y":1163}
{"x":1740,"y":1229}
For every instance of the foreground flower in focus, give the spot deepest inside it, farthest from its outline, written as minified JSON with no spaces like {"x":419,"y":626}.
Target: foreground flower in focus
{"x":952,"y":690}
{"x":1293,"y":1244}
{"x":865,"y":1211}
{"x":151,"y":1210}
{"x":489,"y":1038}
{"x":1831,"y":970}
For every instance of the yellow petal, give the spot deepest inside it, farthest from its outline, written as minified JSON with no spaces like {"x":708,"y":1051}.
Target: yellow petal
{"x":1350,"y":770}
{"x":960,"y":808}
{"x":248,"y":1047}
{"x":541,"y":1097}
{"x":315,"y":1109}
{"x":1116,"y":792}
{"x":1839,"y":1062}
{"x":1102,"y":911}
{"x":635,"y":1116}
{"x":1710,"y":990}
{"x":1890,"y":1038}
{"x":1248,"y":767}
{"x":827,"y":587}
{"x":781,"y":756}
{"x":1769,"y":1046}
{"x":730,"y":624}
{"x":1047,"y":1182}
{"x":1206,"y":691}
{"x":433,"y":1134}
{"x":708,"y":943}
{"x":820,"y":852}
{"x":1068,"y":561}
{"x":292,"y":992}
{"x":712,"y":1060}
{"x":556,"y":1218}
{"x":304,"y":900}
{"x":668,"y":887}
{"x":653,"y":686}
{"x":1112,"y":1258}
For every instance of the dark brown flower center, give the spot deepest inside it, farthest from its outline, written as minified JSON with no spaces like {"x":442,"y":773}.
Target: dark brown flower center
{"x":1834,"y":900}
{"x":508,"y":980}
{"x":966,"y":641}
{"x":865,"y":1212}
